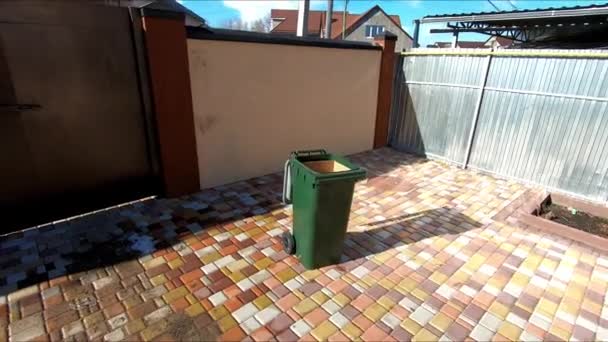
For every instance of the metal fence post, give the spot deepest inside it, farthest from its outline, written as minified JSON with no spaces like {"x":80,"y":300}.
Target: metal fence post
{"x":477,"y":110}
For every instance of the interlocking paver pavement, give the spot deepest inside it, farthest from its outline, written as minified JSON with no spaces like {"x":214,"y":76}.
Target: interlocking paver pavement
{"x":433,"y":252}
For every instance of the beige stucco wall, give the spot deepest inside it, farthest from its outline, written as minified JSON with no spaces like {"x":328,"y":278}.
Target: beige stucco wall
{"x":255,"y":103}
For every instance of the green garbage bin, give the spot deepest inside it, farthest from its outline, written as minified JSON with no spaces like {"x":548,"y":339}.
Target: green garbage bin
{"x":320,"y":186}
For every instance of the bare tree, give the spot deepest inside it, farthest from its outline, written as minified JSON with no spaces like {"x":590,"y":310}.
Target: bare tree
{"x":235,"y":23}
{"x":262,"y":25}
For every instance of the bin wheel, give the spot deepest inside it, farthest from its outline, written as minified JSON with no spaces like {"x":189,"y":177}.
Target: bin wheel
{"x":289,"y":244}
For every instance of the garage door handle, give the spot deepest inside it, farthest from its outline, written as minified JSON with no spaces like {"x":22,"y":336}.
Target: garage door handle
{"x":19,"y":107}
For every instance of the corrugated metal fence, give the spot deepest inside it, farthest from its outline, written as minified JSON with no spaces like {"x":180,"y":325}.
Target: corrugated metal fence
{"x":540,"y":116}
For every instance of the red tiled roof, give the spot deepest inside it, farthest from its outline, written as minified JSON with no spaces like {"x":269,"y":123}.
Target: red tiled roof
{"x":471,"y":45}
{"x":503,"y":41}
{"x":316,"y":21}
{"x":289,"y":25}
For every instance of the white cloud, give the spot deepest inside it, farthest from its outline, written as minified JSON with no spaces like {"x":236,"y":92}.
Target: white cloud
{"x":253,"y":10}
{"x":414,"y":3}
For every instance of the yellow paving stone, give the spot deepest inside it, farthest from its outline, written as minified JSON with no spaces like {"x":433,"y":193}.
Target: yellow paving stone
{"x":154,"y":262}
{"x":387,"y":284}
{"x":286,"y":275}
{"x":369,"y":280}
{"x":191,"y":240}
{"x":191,"y":299}
{"x":262,"y":302}
{"x":459,"y":277}
{"x":386,"y":302}
{"x":546,"y":306}
{"x":561,"y":333}
{"x":349,"y":279}
{"x":195,"y":309}
{"x":319,"y":297}
{"x":572,"y":309}
{"x":299,"y":294}
{"x":441,"y":321}
{"x":418,"y":293}
{"x":263,"y":263}
{"x":210,"y":257}
{"x":226,"y":271}
{"x":218,"y":312}
{"x":159,"y":279}
{"x":401,"y":290}
{"x":419,"y":260}
{"x":175,"y":263}
{"x":324,"y":330}
{"x":438,"y":278}
{"x":236,"y":276}
{"x":240,"y":264}
{"x":499,"y":310}
{"x":497,"y":282}
{"x":509,"y":330}
{"x":408,"y":284}
{"x":579,"y":279}
{"x":411,"y":326}
{"x":351,"y":331}
{"x":341,"y":299}
{"x":588,"y":258}
{"x":575,"y":292}
{"x":253,"y":232}
{"x":424,"y":336}
{"x":507,"y":247}
{"x":474,"y":262}
{"x":532,"y":260}
{"x":235,"y":231}
{"x":226,"y":323}
{"x":555,"y":291}
{"x":310,"y":274}
{"x":520,"y":279}
{"x":305,"y":306}
{"x":440,"y":243}
{"x":133,"y":327}
{"x":175,"y":294}
{"x":550,"y":264}
{"x":374,"y":312}
{"x":382,"y":258}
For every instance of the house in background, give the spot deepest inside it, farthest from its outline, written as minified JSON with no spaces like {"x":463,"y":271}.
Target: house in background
{"x":359,"y":27}
{"x":494,"y":42}
{"x":460,"y":44}
{"x":497,"y":42}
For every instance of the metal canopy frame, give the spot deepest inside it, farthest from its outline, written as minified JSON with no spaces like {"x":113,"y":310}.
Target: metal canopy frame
{"x":522,"y":25}
{"x":596,"y":10}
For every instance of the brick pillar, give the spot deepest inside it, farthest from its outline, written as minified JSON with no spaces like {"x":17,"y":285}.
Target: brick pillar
{"x":387,"y":41}
{"x":167,"y":54}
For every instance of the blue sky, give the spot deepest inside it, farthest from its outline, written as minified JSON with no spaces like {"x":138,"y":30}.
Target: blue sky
{"x":217,"y":11}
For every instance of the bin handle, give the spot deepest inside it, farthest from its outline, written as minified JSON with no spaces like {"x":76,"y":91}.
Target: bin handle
{"x":287,"y":182}
{"x":308,"y":153}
